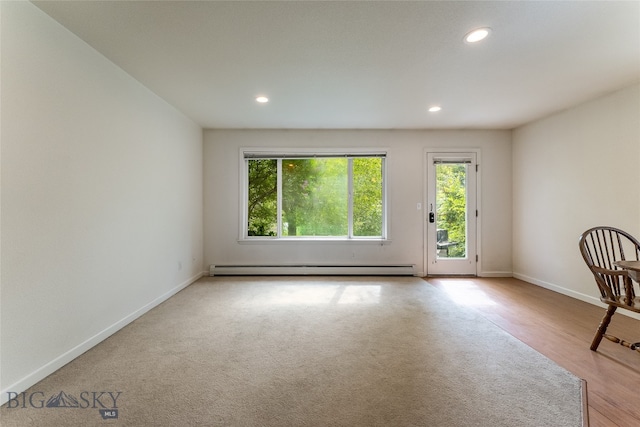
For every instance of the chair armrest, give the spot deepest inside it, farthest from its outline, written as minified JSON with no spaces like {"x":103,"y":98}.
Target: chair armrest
{"x":610,"y":272}
{"x":606,"y":284}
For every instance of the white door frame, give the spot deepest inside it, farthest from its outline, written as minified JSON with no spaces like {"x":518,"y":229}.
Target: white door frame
{"x":478,"y":203}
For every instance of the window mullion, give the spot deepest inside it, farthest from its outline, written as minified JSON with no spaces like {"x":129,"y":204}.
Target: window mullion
{"x":350,"y":198}
{"x":384,"y":198}
{"x":279,"y":197}
{"x":245,"y":205}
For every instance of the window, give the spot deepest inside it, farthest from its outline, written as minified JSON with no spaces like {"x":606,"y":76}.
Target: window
{"x":314,"y":196}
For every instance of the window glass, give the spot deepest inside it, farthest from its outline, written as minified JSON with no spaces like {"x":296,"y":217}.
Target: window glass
{"x":314,"y":197}
{"x":367,"y":196}
{"x":451,"y":207}
{"x":262,"y":203}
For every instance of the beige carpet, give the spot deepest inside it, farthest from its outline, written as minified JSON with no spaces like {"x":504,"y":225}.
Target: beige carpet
{"x":307,"y":351}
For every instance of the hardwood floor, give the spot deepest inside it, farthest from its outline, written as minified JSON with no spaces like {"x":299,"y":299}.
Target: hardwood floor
{"x":562,"y":328}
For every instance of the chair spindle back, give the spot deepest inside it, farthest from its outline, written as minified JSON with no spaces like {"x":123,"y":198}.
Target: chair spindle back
{"x":600,"y":247}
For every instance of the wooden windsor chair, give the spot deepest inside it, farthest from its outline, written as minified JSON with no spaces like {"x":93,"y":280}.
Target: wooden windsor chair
{"x":601,"y":247}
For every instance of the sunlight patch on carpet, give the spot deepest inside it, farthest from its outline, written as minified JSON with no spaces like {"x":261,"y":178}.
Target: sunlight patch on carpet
{"x":465,"y":292}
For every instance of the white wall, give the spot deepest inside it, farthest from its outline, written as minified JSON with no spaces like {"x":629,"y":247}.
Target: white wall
{"x":101,"y":197}
{"x":405,"y":183}
{"x":571,"y":171}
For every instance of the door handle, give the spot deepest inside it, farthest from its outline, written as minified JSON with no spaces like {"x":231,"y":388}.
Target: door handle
{"x":432,"y":217}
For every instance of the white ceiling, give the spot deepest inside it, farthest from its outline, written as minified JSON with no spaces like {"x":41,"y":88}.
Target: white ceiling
{"x":365,"y":64}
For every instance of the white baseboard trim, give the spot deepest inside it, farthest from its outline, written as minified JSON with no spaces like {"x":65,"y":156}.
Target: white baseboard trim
{"x":559,"y":289}
{"x":57,"y":363}
{"x":571,"y":293}
{"x":481,"y":274}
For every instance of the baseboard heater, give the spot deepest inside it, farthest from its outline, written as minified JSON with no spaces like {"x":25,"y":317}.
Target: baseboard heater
{"x":309,"y":270}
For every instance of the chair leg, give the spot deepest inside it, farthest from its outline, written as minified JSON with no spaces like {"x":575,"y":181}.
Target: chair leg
{"x":602,"y":328}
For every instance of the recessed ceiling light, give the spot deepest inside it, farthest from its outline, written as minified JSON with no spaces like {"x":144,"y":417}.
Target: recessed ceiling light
{"x":262,"y":99}
{"x":435,"y":109}
{"x":477,"y":35}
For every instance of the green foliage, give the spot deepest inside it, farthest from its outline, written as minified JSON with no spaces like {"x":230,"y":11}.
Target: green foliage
{"x":315,"y":199}
{"x":367,"y":196}
{"x":451,"y":204}
{"x":263,"y":198}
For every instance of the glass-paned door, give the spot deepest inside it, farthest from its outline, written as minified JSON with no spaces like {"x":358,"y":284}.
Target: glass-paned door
{"x":451,"y":214}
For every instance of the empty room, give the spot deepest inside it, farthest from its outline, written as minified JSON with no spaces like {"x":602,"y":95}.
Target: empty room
{"x":313,"y":213}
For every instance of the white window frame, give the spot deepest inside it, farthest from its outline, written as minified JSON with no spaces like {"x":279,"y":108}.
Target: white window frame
{"x":279,"y":154}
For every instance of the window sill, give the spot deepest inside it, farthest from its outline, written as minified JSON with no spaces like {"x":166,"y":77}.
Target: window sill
{"x":313,"y":241}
